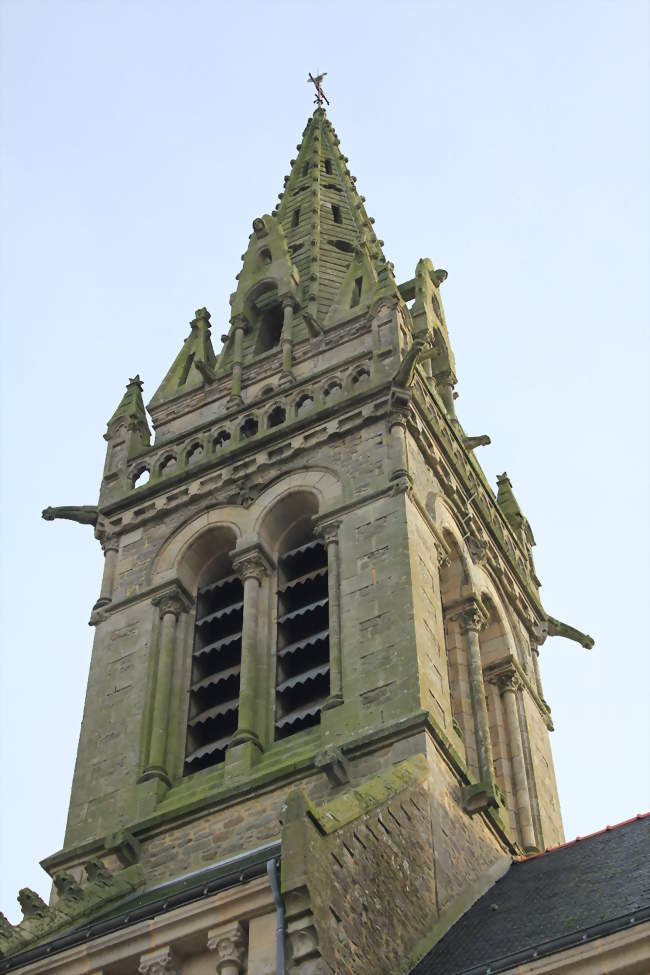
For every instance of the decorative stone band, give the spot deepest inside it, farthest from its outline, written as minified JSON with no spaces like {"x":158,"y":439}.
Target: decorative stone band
{"x":230,"y":946}
{"x":159,"y":962}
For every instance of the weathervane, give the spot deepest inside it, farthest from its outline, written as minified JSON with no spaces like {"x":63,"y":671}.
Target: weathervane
{"x":320,"y":94}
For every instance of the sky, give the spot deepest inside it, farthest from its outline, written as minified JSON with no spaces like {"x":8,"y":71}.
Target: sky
{"x":507,"y":142}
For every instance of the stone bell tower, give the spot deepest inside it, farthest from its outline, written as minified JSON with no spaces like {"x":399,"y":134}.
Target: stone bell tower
{"x":318,"y":628}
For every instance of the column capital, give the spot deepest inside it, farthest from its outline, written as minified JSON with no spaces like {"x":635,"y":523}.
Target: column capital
{"x":328,"y":531}
{"x":252,"y":562}
{"x":159,"y":962}
{"x":470,"y":614}
{"x":110,"y":544}
{"x":174,"y":601}
{"x":229,"y":944}
{"x":507,"y":681}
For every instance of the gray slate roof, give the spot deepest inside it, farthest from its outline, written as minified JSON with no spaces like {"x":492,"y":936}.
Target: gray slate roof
{"x":571,"y":894}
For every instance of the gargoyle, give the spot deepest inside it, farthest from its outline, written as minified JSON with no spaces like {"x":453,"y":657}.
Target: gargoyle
{"x":472,"y":442}
{"x":97,"y":873}
{"x":557,"y":628}
{"x":439,"y":276}
{"x":31,"y":904}
{"x":421,"y":350}
{"x":553,"y":627}
{"x":85,"y":514}
{"x":67,"y":886}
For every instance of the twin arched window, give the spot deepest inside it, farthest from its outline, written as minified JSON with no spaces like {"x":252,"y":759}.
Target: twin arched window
{"x":299,"y":644}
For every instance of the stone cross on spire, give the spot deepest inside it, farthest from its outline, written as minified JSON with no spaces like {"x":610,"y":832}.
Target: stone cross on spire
{"x":320,"y":94}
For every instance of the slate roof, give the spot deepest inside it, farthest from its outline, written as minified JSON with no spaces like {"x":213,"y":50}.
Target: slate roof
{"x":547,"y":903}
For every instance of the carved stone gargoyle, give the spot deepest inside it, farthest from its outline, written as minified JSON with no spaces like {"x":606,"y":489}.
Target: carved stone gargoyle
{"x":421,"y":350}
{"x":85,"y":514}
{"x":553,"y":627}
{"x":472,"y":442}
{"x":31,"y":904}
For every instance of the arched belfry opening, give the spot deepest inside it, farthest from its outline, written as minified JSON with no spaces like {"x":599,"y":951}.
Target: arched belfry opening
{"x":302,"y":620}
{"x":213,"y":694}
{"x":266,"y":310}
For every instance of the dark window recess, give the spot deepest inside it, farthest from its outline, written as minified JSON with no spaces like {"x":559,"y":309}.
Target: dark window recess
{"x":270,"y":328}
{"x":305,"y":169}
{"x":328,"y":167}
{"x":303,"y":673}
{"x":336,"y":214}
{"x":216,"y":663}
{"x":248,"y":428}
{"x":356,"y":292}
{"x":295,"y":220}
{"x":277,"y":416}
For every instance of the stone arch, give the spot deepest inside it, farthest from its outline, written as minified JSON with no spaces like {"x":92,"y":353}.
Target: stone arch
{"x":317,"y":488}
{"x":187,"y":552}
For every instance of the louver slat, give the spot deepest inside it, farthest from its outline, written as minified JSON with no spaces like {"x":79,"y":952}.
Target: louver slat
{"x":305,"y":642}
{"x":214,"y":712}
{"x":310,"y":711}
{"x":217,"y":678}
{"x":218,"y":644}
{"x":234,"y":607}
{"x":304,"y":677}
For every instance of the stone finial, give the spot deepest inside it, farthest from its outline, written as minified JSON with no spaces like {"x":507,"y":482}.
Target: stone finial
{"x":230,"y":947}
{"x":31,"y":904}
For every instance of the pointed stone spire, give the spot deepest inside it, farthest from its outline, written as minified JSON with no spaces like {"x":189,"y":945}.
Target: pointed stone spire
{"x":332,"y":251}
{"x":193,"y":366}
{"x":131,"y":414}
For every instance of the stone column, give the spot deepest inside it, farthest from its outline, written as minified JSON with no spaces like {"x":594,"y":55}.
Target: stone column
{"x":229,"y":944}
{"x":398,"y":449}
{"x":162,"y":961}
{"x":252,"y":565}
{"x":235,"y":392}
{"x":472,"y":620}
{"x":111,"y":547}
{"x":170,"y":605}
{"x":330,"y":535}
{"x":287,"y":337}
{"x":508,"y":685}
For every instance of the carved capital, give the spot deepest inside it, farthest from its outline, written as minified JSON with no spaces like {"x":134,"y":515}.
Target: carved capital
{"x":471,"y":616}
{"x":172,"y":601}
{"x":252,"y":563}
{"x":506,"y":681}
{"x":229,"y":945}
{"x":160,"y":962}
{"x":328,"y":532}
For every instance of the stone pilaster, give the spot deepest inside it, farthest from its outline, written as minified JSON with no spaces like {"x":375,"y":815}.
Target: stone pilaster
{"x":238,"y":341}
{"x":329,"y":532}
{"x":471,"y":618}
{"x":230,"y":946}
{"x":287,"y":338}
{"x":509,"y":685}
{"x":252,"y":565}
{"x":111,"y":547}
{"x":170,"y":605}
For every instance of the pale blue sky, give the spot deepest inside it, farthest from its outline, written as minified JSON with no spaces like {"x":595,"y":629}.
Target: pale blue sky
{"x":506,"y":141}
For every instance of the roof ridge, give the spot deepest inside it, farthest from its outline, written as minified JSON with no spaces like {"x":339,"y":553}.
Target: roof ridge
{"x":580,"y":839}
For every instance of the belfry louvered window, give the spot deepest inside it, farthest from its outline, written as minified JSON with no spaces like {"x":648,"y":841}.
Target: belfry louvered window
{"x":303,"y":681}
{"x":216,"y":665}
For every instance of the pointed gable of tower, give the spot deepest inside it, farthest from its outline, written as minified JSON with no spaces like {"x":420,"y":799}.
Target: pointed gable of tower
{"x":194,"y":364}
